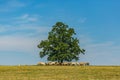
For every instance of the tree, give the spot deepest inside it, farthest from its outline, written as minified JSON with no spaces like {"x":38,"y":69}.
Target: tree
{"x":61,"y":44}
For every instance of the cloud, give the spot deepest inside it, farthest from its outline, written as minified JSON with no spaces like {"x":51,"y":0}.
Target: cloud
{"x":14,"y":43}
{"x":22,"y":38}
{"x":82,"y":20}
{"x":10,"y":5}
{"x":102,"y":53}
{"x":15,"y":3}
{"x":26,"y":30}
{"x":20,"y":43}
{"x":84,"y":39}
{"x":26,"y":18}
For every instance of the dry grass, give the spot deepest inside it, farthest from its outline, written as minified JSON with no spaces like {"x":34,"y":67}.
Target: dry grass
{"x":59,"y":72}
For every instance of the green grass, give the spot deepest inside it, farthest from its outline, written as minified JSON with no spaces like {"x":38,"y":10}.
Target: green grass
{"x":59,"y":72}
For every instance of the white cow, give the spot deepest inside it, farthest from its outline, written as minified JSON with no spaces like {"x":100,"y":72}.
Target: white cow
{"x":74,"y":63}
{"x":41,"y":63}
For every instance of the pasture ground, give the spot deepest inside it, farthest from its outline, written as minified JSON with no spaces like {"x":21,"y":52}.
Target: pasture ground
{"x":59,"y":72}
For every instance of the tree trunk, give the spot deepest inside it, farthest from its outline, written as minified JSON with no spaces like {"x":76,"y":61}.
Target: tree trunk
{"x":61,"y":61}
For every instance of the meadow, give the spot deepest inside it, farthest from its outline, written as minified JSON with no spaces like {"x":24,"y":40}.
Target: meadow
{"x":59,"y":72}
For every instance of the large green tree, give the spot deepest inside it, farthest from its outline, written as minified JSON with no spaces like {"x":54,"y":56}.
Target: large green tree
{"x":61,"y":44}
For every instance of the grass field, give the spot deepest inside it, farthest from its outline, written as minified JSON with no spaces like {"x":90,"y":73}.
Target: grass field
{"x":59,"y":72}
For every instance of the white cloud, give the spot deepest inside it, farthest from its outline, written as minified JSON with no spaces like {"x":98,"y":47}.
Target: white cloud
{"x":85,"y":39}
{"x":20,"y":43}
{"x":26,"y":18}
{"x":104,"y":53}
{"x":15,"y":3}
{"x":26,"y":30}
{"x":23,"y":38}
{"x":13,"y":43}
{"x":10,"y":5}
{"x":82,"y":20}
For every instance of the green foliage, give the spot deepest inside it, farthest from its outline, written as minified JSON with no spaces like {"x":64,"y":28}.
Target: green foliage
{"x":61,"y":45}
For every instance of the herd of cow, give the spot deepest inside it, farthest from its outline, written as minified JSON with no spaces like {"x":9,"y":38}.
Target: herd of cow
{"x":64,"y":63}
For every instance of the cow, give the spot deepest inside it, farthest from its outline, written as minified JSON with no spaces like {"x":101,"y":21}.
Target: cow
{"x":41,"y":63}
{"x":66,"y":63}
{"x":84,"y":64}
{"x":74,"y":63}
{"x":51,"y":63}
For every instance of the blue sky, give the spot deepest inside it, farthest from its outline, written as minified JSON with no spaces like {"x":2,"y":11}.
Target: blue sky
{"x":24,"y":23}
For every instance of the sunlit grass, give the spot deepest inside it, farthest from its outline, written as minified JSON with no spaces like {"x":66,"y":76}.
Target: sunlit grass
{"x":59,"y":72}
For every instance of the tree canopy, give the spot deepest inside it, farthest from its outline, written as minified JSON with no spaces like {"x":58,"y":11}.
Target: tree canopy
{"x":61,"y":44}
